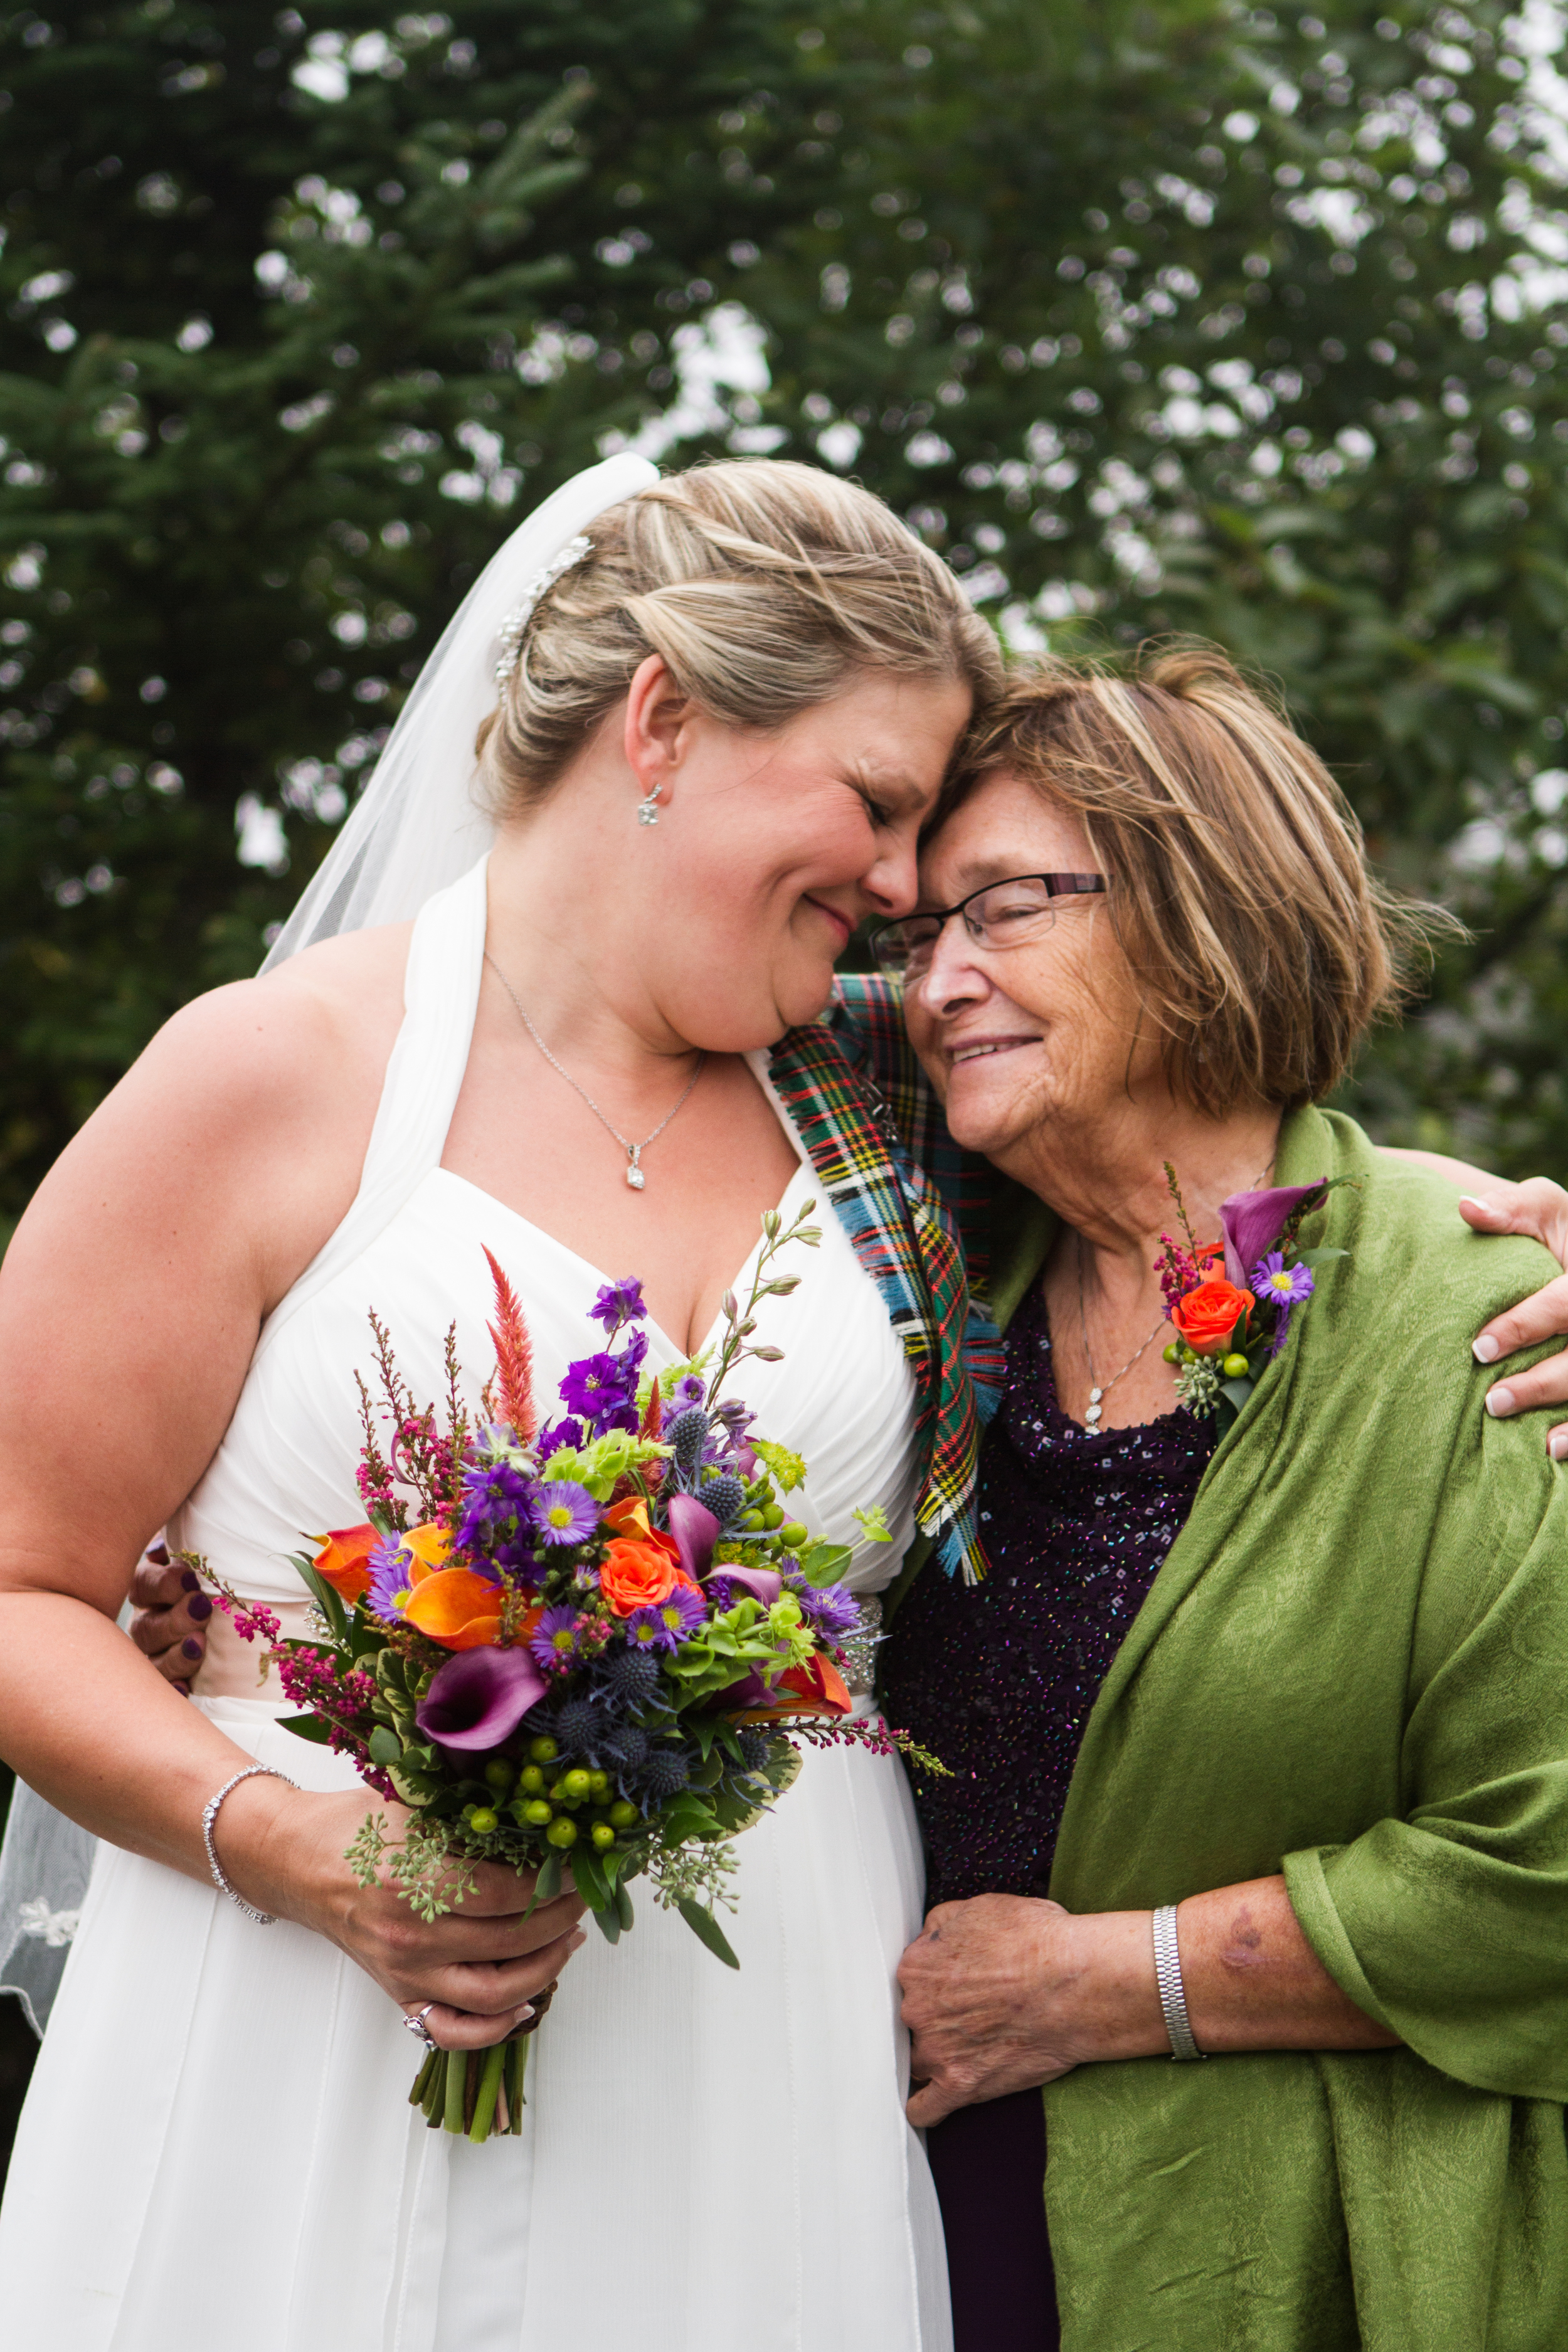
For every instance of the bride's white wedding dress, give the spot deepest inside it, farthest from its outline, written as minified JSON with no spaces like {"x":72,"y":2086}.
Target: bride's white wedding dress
{"x":217,"y":2149}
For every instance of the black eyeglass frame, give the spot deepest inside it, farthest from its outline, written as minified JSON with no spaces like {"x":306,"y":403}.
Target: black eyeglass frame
{"x":1057,"y":886}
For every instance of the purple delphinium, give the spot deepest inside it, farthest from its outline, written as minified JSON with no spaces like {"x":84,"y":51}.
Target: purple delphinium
{"x":604,"y":1390}
{"x":831,"y":1609}
{"x":617,"y":1303}
{"x":670,"y":1621}
{"x":557,"y":1433}
{"x":497,"y":1501}
{"x":563,"y":1512}
{"x":553,"y":1640}
{"x":690,"y":1389}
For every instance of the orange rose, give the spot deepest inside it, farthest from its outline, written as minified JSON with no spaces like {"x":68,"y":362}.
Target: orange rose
{"x":344,"y":1560}
{"x":455,"y":1607}
{"x":638,"y":1576}
{"x":1208,"y":1315}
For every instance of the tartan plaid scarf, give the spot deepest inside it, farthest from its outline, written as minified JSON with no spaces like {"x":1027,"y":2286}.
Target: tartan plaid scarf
{"x":911,"y":1202}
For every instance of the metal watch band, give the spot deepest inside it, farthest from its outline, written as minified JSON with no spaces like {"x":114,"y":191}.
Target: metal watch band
{"x":1168,"y":1975}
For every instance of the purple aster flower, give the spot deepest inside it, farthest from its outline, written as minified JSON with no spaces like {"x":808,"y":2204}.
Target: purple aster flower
{"x":1278,"y":1285}
{"x":669,"y":1622}
{"x":553,"y":1640}
{"x":563,"y":1512}
{"x":556,"y":1433}
{"x":618,"y":1303}
{"x":832,"y":1610}
{"x":389,"y":1580}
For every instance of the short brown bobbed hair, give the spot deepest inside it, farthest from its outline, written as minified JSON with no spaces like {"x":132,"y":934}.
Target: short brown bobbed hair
{"x":1239,"y":887}
{"x":768,"y":586}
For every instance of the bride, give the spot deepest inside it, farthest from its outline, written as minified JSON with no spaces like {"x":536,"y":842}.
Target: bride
{"x":726,"y":701}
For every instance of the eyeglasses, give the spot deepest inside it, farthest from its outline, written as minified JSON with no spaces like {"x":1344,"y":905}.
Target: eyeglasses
{"x":1003,"y":914}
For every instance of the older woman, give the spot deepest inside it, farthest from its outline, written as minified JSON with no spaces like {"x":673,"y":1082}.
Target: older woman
{"x":1300,"y":1677}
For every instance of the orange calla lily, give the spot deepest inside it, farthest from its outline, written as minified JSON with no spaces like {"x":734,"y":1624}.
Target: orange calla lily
{"x":455,"y":1607}
{"x":629,"y":1518}
{"x":343,"y":1561}
{"x":427,"y":1548}
{"x":815,"y":1688}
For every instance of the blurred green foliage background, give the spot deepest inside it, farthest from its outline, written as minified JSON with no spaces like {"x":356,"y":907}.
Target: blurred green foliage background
{"x":1150,"y":317}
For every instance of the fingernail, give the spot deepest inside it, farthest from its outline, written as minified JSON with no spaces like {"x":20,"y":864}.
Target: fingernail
{"x":1487,"y":1208}
{"x":199,"y":1607}
{"x":190,"y":1649}
{"x":1485,"y":1349}
{"x":525,"y":2012}
{"x":189,"y":1580}
{"x":1500,"y":1401}
{"x":1557,"y":1446}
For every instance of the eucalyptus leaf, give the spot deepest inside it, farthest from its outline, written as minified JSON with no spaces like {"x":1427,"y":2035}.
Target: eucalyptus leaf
{"x":707,"y":1930}
{"x":1314,"y":1257}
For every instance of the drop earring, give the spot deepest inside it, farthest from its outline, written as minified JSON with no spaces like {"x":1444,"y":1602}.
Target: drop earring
{"x":646,"y":812}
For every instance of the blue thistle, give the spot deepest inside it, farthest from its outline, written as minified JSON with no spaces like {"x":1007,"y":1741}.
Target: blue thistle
{"x":757,"y":1748}
{"x":666,"y":1774}
{"x":633,"y":1675}
{"x":579,"y":1728}
{"x":725,"y":1496}
{"x":688,"y":1432}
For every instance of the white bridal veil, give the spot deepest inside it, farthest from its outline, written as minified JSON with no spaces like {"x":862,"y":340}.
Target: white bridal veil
{"x":414,"y":829}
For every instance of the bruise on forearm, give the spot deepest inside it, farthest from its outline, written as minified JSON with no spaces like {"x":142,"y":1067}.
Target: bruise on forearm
{"x":1254,"y":1983}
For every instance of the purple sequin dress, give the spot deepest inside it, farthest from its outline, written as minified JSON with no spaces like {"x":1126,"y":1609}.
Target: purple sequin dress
{"x":998,"y":1681}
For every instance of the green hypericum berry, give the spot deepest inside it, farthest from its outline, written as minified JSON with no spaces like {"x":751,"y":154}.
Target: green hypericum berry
{"x":599,"y":1783}
{"x":751,"y":1523}
{"x":499,"y":1775}
{"x":772,"y":1516}
{"x":623,"y":1812}
{"x":483,"y":1821}
{"x":1235,"y":1368}
{"x":537,"y":1814}
{"x":543,"y":1750}
{"x":792,"y":1534}
{"x":561,"y":1834}
{"x":603,"y":1835}
{"x":577,"y":1784}
{"x":1173,"y":1353}
{"x":530,"y":1780}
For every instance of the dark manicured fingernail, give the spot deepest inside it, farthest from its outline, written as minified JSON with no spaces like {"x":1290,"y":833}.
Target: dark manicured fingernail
{"x":190,"y":1581}
{"x":190,"y":1649}
{"x":158,"y":1555}
{"x":200,"y":1608}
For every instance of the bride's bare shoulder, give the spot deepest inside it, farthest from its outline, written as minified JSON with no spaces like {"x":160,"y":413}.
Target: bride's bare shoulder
{"x":323,"y":1021}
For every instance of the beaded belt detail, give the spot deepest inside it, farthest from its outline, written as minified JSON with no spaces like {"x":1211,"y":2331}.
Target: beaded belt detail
{"x":861,"y":1648}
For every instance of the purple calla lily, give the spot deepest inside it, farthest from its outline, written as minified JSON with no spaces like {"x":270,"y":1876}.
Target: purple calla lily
{"x":750,"y":1691}
{"x":696,"y":1531}
{"x":478,"y":1699}
{"x":1253,"y":1221}
{"x":763,"y":1584}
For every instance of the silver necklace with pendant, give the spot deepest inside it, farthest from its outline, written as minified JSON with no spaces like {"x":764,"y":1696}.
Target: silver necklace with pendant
{"x":1097,"y":1391}
{"x":634,"y":1151}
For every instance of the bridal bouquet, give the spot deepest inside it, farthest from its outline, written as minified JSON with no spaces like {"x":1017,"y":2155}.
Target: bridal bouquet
{"x":572,"y":1648}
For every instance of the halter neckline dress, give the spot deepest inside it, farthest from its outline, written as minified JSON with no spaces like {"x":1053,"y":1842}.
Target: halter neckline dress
{"x":218,"y":2146}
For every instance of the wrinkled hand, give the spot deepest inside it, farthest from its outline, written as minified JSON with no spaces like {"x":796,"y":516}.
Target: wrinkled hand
{"x":170,"y":1625}
{"x":481,"y":1965}
{"x":1538,"y":1209}
{"x":992,"y":1997}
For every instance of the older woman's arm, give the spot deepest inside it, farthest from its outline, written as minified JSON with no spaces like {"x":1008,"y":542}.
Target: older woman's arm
{"x":1002,"y":1993}
{"x":1539,"y":1210}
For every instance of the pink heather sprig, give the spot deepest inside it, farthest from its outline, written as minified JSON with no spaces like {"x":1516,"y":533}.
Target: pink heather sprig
{"x":1177,"y":1269}
{"x":256,"y":1624}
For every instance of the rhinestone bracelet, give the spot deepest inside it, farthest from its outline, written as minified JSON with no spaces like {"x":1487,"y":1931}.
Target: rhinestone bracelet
{"x":209,"y":1816}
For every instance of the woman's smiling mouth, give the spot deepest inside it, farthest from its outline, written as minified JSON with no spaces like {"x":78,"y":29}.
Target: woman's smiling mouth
{"x":977,"y":1048}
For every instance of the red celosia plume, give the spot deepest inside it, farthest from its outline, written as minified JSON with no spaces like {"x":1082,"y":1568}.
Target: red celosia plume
{"x":514,"y":1358}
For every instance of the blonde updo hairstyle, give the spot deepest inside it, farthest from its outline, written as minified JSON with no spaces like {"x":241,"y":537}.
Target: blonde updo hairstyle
{"x":766,"y":586}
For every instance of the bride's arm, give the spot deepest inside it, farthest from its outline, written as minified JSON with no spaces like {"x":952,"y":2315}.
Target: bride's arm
{"x":130,"y":1302}
{"x":1539,"y":1210}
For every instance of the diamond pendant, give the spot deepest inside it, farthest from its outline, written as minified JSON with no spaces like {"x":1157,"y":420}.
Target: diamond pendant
{"x":1091,"y":1418}
{"x":634,"y":1176}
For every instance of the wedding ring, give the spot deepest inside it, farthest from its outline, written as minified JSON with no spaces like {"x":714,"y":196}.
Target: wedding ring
{"x":417,"y":2027}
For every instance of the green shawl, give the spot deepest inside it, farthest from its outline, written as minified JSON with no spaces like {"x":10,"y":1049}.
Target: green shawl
{"x":1352,"y":1666}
